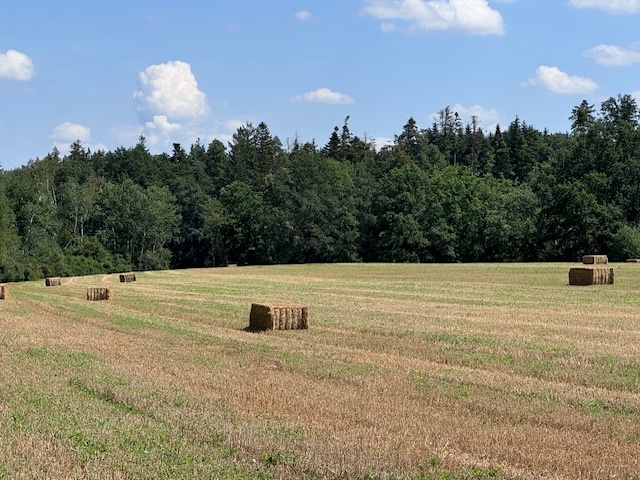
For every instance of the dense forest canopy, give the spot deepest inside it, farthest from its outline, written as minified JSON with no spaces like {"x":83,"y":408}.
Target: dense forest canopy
{"x":446,"y":193}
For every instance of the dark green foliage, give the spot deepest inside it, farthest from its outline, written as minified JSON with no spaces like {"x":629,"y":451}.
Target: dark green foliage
{"x":401,"y":209}
{"x":11,"y":268}
{"x":449,"y":193}
{"x":575,"y":221}
{"x":314,"y":201}
{"x":87,"y":256}
{"x":626,"y":243}
{"x":136,"y":223}
{"x":247,"y":225}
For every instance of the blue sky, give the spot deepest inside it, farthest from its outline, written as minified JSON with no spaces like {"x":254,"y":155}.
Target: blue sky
{"x":105,"y":73}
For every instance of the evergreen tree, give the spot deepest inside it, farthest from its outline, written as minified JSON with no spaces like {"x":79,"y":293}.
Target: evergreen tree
{"x":582,"y":118}
{"x":11,"y":268}
{"x":502,"y":165}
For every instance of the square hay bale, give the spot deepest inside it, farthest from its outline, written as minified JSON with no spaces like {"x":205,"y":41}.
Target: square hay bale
{"x":3,"y":291}
{"x":633,"y":260}
{"x":596,"y":275}
{"x":595,"y":259}
{"x":282,"y":316}
{"x":127,"y":277}
{"x":52,"y":281}
{"x":98,"y":293}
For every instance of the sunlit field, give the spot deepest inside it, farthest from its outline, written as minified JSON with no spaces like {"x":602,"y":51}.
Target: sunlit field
{"x":407,"y":371}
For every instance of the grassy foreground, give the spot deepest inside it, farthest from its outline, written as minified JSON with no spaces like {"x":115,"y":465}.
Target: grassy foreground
{"x":407,"y":372}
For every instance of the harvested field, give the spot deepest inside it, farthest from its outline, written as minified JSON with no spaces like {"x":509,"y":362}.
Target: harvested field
{"x":409,"y":372}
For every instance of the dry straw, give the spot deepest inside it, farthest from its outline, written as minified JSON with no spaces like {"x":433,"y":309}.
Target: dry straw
{"x":282,"y":316}
{"x":98,"y":293}
{"x":52,"y":281}
{"x":3,"y":291}
{"x":127,"y":277}
{"x":633,"y":260}
{"x":595,"y":259}
{"x":596,"y":275}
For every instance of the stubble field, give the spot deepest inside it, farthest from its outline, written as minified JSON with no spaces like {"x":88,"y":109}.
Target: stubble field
{"x":407,"y":372}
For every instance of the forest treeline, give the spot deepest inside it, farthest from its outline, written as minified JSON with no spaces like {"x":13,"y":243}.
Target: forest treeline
{"x":447,"y":193}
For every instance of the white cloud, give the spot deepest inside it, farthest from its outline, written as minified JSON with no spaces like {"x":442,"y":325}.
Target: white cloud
{"x":162,"y":124}
{"x":160,"y":132}
{"x":15,"y":66}
{"x":170,"y":90}
{"x":614,"y":7}
{"x":487,"y":118}
{"x":67,"y":133}
{"x":303,"y":15}
{"x":70,"y":132}
{"x":170,"y":104}
{"x":557,"y":81}
{"x":474,"y":17}
{"x":324,"y":95}
{"x":613,"y":55}
{"x":381,"y":142}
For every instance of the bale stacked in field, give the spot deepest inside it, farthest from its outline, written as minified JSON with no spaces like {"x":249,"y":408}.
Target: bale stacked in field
{"x":52,"y":281}
{"x":127,"y":277}
{"x":595,"y":259}
{"x":3,"y":291}
{"x":98,"y":293}
{"x":596,"y":275}
{"x":283,"y":316}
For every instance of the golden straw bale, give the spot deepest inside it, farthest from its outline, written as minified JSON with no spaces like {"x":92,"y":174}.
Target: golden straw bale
{"x":98,"y":293}
{"x":633,"y":260}
{"x":52,"y":281}
{"x":127,"y":277}
{"x":282,"y":316}
{"x":595,"y":259}
{"x":3,"y":291}
{"x":596,"y":275}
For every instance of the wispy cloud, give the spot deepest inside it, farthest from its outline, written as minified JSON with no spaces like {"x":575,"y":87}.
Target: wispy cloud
{"x":473,"y":17}
{"x":303,"y":15}
{"x":615,"y":56}
{"x":324,"y":95}
{"x":15,"y":66}
{"x":614,"y":7}
{"x":555,"y":80}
